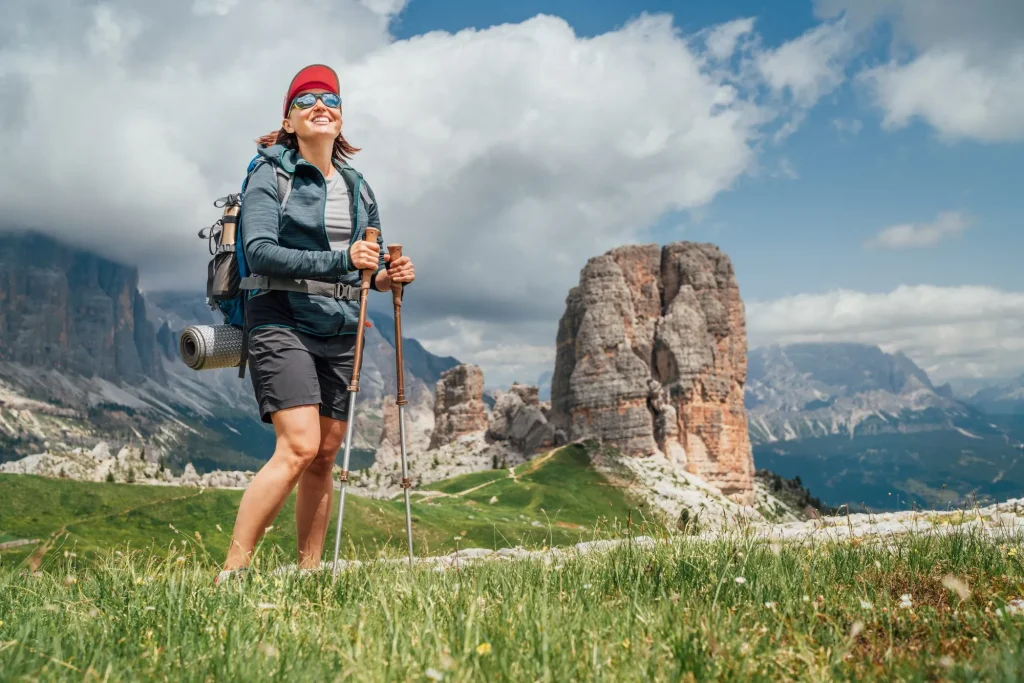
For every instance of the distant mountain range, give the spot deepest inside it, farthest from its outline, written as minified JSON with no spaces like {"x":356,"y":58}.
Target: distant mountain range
{"x":1003,"y":398}
{"x":85,"y":357}
{"x":868,"y":428}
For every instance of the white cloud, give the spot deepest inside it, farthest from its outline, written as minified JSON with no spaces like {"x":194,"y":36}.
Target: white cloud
{"x":502,"y":158}
{"x":385,"y":7}
{"x":950,"y":331}
{"x":722,"y":39}
{"x":948,"y":224}
{"x":959,"y":66}
{"x":802,"y":71}
{"x":218,"y":7}
{"x":809,"y":66}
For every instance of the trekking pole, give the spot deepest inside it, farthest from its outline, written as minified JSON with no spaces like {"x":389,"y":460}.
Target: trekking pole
{"x":353,"y":388}
{"x":395,"y":250}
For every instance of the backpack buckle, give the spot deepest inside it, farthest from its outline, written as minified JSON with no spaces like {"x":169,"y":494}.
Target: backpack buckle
{"x":343,"y":291}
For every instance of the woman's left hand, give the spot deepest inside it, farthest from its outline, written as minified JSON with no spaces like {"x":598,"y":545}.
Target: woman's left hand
{"x":401,"y":270}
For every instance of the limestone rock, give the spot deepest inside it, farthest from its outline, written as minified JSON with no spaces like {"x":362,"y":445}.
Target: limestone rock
{"x":518,"y":419}
{"x":190,"y":477}
{"x":651,"y":358}
{"x":385,"y":475}
{"x":69,"y":310}
{"x":458,"y":406}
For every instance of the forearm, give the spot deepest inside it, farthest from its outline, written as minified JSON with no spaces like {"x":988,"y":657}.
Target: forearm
{"x":268,"y":258}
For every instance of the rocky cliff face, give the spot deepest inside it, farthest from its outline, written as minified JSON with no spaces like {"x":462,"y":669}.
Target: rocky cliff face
{"x":72,"y":311}
{"x":651,"y":357}
{"x":84,"y":358}
{"x":458,"y":406}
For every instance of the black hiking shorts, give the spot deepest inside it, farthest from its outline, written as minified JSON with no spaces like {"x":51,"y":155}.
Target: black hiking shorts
{"x":290,"y":368}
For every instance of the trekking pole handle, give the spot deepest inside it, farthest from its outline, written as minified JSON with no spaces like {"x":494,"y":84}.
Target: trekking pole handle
{"x":395,"y":251}
{"x":371,"y":236}
{"x":357,"y":362}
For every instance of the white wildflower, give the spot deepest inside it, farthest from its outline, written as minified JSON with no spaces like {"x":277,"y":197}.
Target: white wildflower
{"x":740,"y":580}
{"x":433,"y":674}
{"x":905,"y":601}
{"x":864,"y":604}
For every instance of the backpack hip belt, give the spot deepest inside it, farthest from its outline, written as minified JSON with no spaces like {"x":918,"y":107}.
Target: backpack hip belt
{"x":335,"y":290}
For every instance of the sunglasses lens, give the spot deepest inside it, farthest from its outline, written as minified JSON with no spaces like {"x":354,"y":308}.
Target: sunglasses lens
{"x":304,"y":101}
{"x":331,"y":100}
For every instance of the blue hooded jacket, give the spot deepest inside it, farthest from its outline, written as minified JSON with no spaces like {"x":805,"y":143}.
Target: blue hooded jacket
{"x":292,"y":242}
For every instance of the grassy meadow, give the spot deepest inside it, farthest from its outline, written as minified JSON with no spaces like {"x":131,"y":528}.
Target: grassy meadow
{"x":120,"y":587}
{"x":922,"y":609}
{"x":554,"y":500}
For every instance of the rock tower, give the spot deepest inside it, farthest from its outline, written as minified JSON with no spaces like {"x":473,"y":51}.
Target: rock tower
{"x":652,"y":355}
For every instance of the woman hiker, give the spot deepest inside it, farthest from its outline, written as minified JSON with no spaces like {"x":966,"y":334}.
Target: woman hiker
{"x":304,"y":215}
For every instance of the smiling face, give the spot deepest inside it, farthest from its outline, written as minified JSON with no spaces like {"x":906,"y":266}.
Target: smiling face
{"x":316,"y":123}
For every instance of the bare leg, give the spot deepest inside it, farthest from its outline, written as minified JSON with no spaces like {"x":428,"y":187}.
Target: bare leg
{"x":316,"y":494}
{"x":298,"y":441}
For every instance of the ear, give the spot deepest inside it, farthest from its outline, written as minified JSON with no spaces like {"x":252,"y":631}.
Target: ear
{"x":287,"y":125}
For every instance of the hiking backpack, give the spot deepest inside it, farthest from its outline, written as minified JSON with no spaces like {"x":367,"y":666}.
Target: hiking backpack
{"x":227,"y":267}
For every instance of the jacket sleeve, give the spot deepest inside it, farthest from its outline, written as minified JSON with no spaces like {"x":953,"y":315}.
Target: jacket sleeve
{"x":260,"y":223}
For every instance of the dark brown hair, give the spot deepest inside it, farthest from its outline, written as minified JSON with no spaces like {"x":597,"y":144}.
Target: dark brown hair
{"x":342,"y":149}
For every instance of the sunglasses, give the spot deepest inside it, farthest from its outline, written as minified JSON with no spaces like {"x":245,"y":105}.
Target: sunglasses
{"x":307,"y":100}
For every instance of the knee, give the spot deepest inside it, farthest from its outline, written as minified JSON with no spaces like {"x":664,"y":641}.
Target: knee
{"x":300,"y":451}
{"x":323,"y":462}
{"x":327,"y":449}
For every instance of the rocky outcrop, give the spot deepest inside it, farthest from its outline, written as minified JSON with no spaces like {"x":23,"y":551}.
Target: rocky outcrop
{"x":385,"y":475}
{"x":72,"y":311}
{"x":131,"y":465}
{"x":473,"y":439}
{"x":651,"y":358}
{"x":519,"y":419}
{"x":458,"y":406}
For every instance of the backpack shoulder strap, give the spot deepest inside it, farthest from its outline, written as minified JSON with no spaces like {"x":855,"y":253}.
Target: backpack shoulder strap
{"x":284,"y":185}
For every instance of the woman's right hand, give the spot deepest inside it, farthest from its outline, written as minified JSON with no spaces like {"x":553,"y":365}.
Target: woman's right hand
{"x":364,"y":255}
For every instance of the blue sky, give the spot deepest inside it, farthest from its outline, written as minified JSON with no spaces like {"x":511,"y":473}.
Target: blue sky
{"x":805,"y":234}
{"x":802,"y":224}
{"x":858,"y":160}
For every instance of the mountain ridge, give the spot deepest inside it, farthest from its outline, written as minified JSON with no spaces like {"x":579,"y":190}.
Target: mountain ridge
{"x":65,"y":393}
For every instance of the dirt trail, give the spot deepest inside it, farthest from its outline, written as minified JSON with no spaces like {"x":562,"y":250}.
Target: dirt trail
{"x":530,"y":466}
{"x":36,"y":559}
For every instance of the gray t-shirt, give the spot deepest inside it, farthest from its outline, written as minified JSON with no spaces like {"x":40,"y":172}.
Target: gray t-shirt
{"x":337,"y":214}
